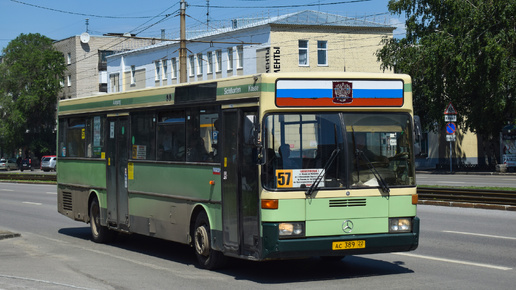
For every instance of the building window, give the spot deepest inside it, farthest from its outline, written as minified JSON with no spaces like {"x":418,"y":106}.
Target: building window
{"x":103,"y":54}
{"x":218,"y":60}
{"x":133,"y":75}
{"x":164,"y":64}
{"x":209,"y":55}
{"x":69,"y":80}
{"x":191,"y":65}
{"x":174,"y":67}
{"x":240,"y":56}
{"x":69,"y":58}
{"x":199,"y":64}
{"x":303,"y":53}
{"x":230,"y":58}
{"x":322,"y":57}
{"x":157,"y":71}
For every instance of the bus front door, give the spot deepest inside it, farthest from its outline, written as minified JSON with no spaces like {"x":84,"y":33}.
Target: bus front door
{"x":239,"y":185}
{"x":116,"y":176}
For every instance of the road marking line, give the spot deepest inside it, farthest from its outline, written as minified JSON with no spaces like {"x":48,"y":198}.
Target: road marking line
{"x":7,"y":189}
{"x":33,"y":203}
{"x":51,"y":192}
{"x":455,"y":261}
{"x":480,"y":235}
{"x":42,"y":281}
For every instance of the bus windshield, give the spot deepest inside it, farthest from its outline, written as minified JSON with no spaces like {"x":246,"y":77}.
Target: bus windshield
{"x":337,"y":150}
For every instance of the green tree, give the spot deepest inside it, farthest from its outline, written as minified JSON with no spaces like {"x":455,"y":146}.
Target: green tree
{"x":459,"y":51}
{"x":29,"y":84}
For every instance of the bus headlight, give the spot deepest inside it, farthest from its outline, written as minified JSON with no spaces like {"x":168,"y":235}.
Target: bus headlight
{"x":400,"y":225}
{"x":291,"y":229}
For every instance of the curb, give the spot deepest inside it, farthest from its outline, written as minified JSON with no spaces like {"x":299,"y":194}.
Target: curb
{"x":468,"y":205}
{"x":8,"y":235}
{"x":442,"y":172}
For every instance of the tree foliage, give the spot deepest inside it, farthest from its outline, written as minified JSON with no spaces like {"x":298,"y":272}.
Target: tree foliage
{"x":459,"y":51}
{"x":29,"y":83}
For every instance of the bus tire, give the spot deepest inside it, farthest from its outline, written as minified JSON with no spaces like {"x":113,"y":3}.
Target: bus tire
{"x":207,"y":257}
{"x":99,"y":233}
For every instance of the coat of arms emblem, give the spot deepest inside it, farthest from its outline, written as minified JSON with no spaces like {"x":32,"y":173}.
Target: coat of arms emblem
{"x":342,"y":92}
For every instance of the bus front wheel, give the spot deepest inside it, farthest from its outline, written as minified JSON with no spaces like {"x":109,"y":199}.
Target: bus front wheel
{"x":208,"y":258}
{"x":99,"y":233}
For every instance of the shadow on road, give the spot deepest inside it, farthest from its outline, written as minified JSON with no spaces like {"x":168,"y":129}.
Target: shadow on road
{"x":267,"y":272}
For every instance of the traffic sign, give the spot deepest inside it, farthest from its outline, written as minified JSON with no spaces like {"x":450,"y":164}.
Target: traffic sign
{"x":450,"y":128}
{"x":450,"y":110}
{"x":450,"y":118}
{"x":450,"y":138}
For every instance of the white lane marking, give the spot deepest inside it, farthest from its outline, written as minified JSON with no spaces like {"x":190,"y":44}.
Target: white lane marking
{"x":42,"y":281}
{"x":480,"y":235}
{"x":455,"y":261}
{"x":51,"y":192}
{"x":32,"y":203}
{"x":7,"y":189}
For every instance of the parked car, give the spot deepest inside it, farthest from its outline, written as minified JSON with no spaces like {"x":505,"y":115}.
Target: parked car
{"x":48,"y":163}
{"x":27,"y":164}
{"x":8,"y":164}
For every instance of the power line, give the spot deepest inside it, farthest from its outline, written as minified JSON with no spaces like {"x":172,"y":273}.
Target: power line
{"x":280,"y":6}
{"x":83,"y":14}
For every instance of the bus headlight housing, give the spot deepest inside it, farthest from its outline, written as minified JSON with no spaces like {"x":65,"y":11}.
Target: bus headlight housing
{"x":291,"y":229}
{"x":400,"y":225}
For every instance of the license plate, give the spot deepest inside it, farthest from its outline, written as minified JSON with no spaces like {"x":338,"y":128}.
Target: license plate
{"x":346,"y":245}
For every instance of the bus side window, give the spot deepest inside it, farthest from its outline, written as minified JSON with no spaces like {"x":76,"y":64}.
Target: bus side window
{"x":171,"y":136}
{"x":143,"y":126}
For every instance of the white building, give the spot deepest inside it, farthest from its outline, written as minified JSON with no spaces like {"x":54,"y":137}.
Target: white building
{"x":302,"y":41}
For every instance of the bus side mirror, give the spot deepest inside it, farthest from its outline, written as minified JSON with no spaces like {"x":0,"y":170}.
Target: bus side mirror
{"x":260,"y":160}
{"x":417,"y":136}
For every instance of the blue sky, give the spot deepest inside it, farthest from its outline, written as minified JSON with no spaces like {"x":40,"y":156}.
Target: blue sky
{"x":60,"y":19}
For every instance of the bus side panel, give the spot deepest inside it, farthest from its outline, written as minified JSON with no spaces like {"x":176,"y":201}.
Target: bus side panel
{"x":162,"y":198}
{"x":76,"y":179}
{"x":89,"y":173}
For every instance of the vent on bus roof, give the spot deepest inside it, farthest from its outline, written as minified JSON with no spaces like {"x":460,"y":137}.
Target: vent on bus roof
{"x":67,"y":201}
{"x":347,"y":202}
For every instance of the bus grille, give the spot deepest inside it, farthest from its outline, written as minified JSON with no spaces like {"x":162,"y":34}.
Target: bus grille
{"x":67,"y":201}
{"x":347,"y":202}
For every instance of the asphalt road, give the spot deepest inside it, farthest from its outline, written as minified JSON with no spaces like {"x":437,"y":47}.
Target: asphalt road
{"x":459,"y":249}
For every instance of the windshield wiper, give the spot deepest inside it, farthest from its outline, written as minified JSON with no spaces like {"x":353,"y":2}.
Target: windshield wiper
{"x":316,"y":182}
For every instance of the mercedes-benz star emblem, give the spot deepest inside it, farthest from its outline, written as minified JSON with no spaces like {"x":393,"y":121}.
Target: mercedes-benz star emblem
{"x":347,"y":226}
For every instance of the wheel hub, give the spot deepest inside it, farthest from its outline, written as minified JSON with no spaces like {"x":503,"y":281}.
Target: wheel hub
{"x":202,"y":245}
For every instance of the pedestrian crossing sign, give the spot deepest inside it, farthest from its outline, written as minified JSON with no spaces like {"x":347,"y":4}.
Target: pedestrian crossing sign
{"x":450,"y":110}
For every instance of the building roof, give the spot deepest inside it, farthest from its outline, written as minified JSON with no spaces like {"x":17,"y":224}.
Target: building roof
{"x":308,"y":17}
{"x":301,"y":18}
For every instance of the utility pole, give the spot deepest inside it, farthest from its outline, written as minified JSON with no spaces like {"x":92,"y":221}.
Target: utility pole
{"x":182,"y":43}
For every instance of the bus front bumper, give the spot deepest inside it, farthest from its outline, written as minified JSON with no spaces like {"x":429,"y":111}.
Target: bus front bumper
{"x":275,"y":248}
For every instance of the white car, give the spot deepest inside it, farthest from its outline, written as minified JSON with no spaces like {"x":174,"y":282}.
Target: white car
{"x":48,"y":163}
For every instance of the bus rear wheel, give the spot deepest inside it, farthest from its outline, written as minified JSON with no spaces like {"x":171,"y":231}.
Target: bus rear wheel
{"x":207,"y":257}
{"x":99,"y":233}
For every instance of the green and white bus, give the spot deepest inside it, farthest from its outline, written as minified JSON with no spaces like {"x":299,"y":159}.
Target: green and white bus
{"x":268,"y":166}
